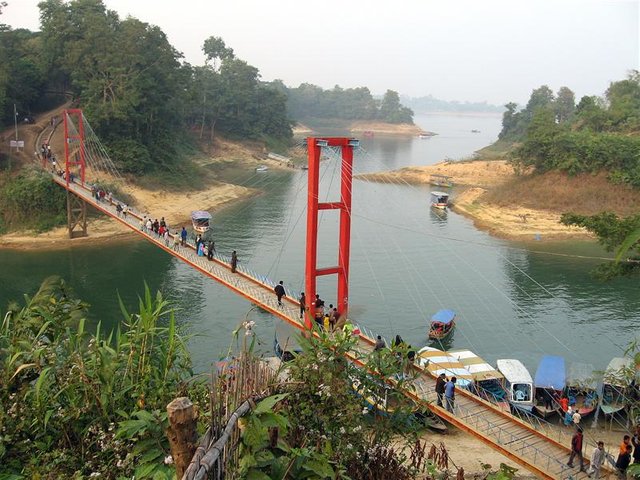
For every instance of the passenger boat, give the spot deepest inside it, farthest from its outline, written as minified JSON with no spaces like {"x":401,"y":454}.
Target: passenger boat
{"x":439,"y":200}
{"x":518,"y":383}
{"x":285,"y":343}
{"x":581,"y":390}
{"x":436,"y":362}
{"x":616,"y":385}
{"x":262,"y":168}
{"x":442,"y":324}
{"x":200,"y":220}
{"x":550,"y":381}
{"x":487,"y":381}
{"x":441,"y":180}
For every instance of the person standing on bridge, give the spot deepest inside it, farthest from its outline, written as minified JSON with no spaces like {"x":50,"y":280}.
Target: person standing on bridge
{"x":280,"y":292}
{"x":450,"y":394}
{"x":183,"y":236}
{"x":576,"y":449}
{"x":176,"y":241}
{"x":211,"y":249}
{"x":234,"y":261}
{"x":440,"y":383}
{"x":303,"y":304}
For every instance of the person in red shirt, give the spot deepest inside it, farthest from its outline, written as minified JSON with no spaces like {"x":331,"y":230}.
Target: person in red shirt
{"x":576,"y":449}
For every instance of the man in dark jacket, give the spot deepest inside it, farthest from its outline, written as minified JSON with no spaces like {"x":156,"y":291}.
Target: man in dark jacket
{"x":279,"y":289}
{"x":440,"y":381}
{"x":576,"y":449}
{"x":623,"y":461}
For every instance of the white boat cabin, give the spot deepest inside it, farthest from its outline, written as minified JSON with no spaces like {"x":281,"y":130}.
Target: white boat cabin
{"x":517,"y":382}
{"x":439,"y":200}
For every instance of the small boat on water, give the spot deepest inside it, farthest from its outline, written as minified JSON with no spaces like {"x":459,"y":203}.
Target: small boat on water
{"x":441,"y":180}
{"x":439,"y":200}
{"x":616,"y":385}
{"x":442,"y":324}
{"x":200,"y":220}
{"x":436,"y":362}
{"x":425,"y":135}
{"x":518,"y":383}
{"x":581,"y":391}
{"x":285,"y":343}
{"x":487,"y":381}
{"x":262,"y":168}
{"x":550,"y":380}
{"x":475,"y":131}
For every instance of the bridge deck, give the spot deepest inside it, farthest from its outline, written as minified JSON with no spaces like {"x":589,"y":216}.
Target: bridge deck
{"x":522,"y":442}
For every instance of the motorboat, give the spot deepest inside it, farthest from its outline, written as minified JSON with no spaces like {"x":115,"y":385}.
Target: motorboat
{"x":439,"y":200}
{"x":200,"y":220}
{"x":517,"y":383}
{"x":487,"y":381}
{"x":262,"y":168}
{"x":442,"y":324}
{"x":437,"y":362}
{"x":582,"y":389}
{"x":617,"y":382}
{"x":550,"y":380}
{"x":441,"y":180}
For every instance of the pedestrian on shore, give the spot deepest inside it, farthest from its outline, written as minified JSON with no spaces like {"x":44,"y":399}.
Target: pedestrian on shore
{"x":597,"y":459}
{"x":450,"y":394}
{"x":183,"y":237}
{"x":576,"y":449}
{"x":623,"y":461}
{"x":303,"y":304}
{"x":279,"y":289}
{"x":234,"y":261}
{"x":440,"y":384}
{"x":379,"y":344}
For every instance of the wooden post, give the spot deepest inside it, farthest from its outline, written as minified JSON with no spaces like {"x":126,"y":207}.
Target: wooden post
{"x":182,"y":435}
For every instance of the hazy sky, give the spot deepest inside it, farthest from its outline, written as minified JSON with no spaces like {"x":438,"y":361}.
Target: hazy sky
{"x":490,"y":50}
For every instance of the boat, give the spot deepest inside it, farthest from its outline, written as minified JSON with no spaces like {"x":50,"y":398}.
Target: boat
{"x":262,"y":168}
{"x":436,"y":362}
{"x":475,"y":131}
{"x":517,"y":383}
{"x":285,"y":343}
{"x":549,"y":381}
{"x":616,"y":385}
{"x":581,"y":390}
{"x":441,"y":180}
{"x":200,"y":220}
{"x":425,"y":135}
{"x":487,"y":381}
{"x":439,"y":200}
{"x":442,"y":324}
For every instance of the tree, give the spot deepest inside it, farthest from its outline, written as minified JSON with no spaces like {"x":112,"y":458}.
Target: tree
{"x":565,"y":104}
{"x":624,"y":102}
{"x":392,"y":111}
{"x":216,"y":50}
{"x":510,"y":120}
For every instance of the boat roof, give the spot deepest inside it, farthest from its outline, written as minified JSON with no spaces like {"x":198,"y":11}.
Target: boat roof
{"x":439,"y":194}
{"x":551,"y":373}
{"x":437,"y":362}
{"x":479,"y":369}
{"x":615,"y":373}
{"x":444,"y":316}
{"x":514,"y":371}
{"x":200,"y":215}
{"x":581,"y":375}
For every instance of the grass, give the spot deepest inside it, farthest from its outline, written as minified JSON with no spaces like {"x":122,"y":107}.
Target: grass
{"x":496,"y":151}
{"x":584,"y":194}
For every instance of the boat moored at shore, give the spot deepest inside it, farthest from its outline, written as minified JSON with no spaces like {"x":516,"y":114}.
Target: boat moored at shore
{"x":550,"y":380}
{"x":517,"y":383}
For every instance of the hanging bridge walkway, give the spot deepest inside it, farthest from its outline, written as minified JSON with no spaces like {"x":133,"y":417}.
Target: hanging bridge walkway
{"x":535,"y":446}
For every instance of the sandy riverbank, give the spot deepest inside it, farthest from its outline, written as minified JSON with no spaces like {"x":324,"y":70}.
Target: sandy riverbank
{"x":473,"y":180}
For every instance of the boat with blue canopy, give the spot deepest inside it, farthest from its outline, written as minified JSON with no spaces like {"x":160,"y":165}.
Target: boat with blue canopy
{"x":442,"y":324}
{"x":550,"y":380}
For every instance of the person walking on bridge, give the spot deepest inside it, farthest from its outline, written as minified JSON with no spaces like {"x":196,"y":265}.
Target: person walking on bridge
{"x":440,"y":383}
{"x":183,"y":237}
{"x":211,"y":249}
{"x":280,"y":292}
{"x":597,"y":459}
{"x":234,"y":261}
{"x":303,"y":304}
{"x":576,"y":449}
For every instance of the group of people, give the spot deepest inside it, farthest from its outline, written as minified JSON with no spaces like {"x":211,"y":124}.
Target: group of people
{"x":629,"y":452}
{"x":203,"y":248}
{"x":446,"y":392}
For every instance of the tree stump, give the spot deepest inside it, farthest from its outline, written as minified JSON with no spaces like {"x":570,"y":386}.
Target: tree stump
{"x":181,"y":433}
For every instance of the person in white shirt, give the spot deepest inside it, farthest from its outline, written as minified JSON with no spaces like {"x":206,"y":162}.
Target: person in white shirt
{"x":597,"y":459}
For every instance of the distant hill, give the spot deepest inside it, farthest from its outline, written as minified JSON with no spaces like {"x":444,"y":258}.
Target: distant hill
{"x":431,"y":104}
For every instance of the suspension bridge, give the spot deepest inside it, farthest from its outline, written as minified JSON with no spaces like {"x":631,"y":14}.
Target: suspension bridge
{"x":527,"y":441}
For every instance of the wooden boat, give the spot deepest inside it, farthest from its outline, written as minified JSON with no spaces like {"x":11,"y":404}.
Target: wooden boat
{"x":517,"y":383}
{"x":616,"y":385}
{"x":436,"y":362}
{"x":581,"y":390}
{"x":442,"y":324}
{"x":285,"y":343}
{"x":441,"y":180}
{"x":262,"y":168}
{"x":487,"y":381}
{"x":200,"y":220}
{"x":549,"y":381}
{"x":439,"y":200}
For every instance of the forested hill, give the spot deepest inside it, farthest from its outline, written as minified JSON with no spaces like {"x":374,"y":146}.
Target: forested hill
{"x":431,"y":104}
{"x":597,"y":134}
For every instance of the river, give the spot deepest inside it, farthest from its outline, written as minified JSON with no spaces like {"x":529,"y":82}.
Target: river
{"x":513,"y":300}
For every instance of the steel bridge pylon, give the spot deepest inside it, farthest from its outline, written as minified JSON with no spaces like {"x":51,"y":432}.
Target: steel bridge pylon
{"x":74,"y":156}
{"x":312,"y":272}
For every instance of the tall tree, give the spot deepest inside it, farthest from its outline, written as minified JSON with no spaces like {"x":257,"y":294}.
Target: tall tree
{"x":391,"y":110}
{"x":565,"y":104}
